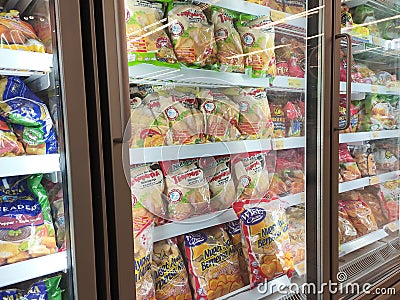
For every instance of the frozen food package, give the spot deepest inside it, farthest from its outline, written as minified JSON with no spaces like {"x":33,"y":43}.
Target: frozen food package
{"x":360,"y":215}
{"x":297,"y":231}
{"x":390,"y":199}
{"x":347,"y":231}
{"x":372,"y":196}
{"x":295,"y":6}
{"x":9,"y":144}
{"x":221,"y":116}
{"x":146,"y":39}
{"x":365,"y":160}
{"x":291,"y":172}
{"x":282,"y":55}
{"x":217,"y":171}
{"x":379,"y":113}
{"x":233,"y":229}
{"x":366,"y":14}
{"x":230,"y":50}
{"x":386,"y":156}
{"x":251,"y":175}
{"x":367,"y":74}
{"x":169,"y":272}
{"x":26,"y":225}
{"x":187,"y":191}
{"x":346,"y":19}
{"x":354,"y":116}
{"x":48,"y":288}
{"x":279,"y":119}
{"x":258,"y":43}
{"x":143,"y":249}
{"x":390,"y":29}
{"x":290,"y":55}
{"x":16,"y":34}
{"x":192,"y":35}
{"x":294,"y":118}
{"x":355,"y":73}
{"x":347,"y":166}
{"x":255,"y":120}
{"x":273,"y":4}
{"x":213,"y":263}
{"x":265,"y":238}
{"x":28,"y":115}
{"x":180,"y":114}
{"x":147,"y":186}
{"x":278,"y":186}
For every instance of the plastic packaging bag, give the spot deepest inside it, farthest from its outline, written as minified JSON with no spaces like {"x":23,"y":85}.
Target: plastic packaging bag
{"x":295,"y":6}
{"x":297,"y":231}
{"x":347,"y":231}
{"x":348,"y":167}
{"x":386,"y":156}
{"x":9,"y":145}
{"x":360,"y":215}
{"x":372,"y":196}
{"x":273,"y":4}
{"x":380,"y":113}
{"x":390,"y":199}
{"x":365,"y":160}
{"x":294,"y":119}
{"x":279,"y":120}
{"x":366,"y":14}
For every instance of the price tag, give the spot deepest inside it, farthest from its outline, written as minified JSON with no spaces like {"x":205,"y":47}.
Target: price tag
{"x":374,"y":180}
{"x":300,"y":268}
{"x":393,"y":227}
{"x":375,"y":134}
{"x":295,"y":83}
{"x":278,"y":15}
{"x":279,"y":144}
{"x":375,"y":88}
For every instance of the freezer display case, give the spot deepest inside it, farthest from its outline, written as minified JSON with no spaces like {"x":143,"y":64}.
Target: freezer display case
{"x":44,"y":155}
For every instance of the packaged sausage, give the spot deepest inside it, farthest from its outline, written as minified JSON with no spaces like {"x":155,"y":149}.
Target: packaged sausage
{"x":258,"y":42}
{"x":213,"y":263}
{"x":147,"y":41}
{"x":347,"y":231}
{"x":18,"y":35}
{"x":297,"y":231}
{"x":143,"y":248}
{"x":230,"y":51}
{"x":360,"y":215}
{"x":169,"y":272}
{"x":265,"y":238}
{"x":28,"y":115}
{"x":192,"y":35}
{"x":9,"y":145}
{"x":187,"y":191}
{"x":390,"y":199}
{"x":26,"y":225}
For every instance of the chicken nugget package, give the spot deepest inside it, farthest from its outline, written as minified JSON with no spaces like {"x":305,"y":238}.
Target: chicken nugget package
{"x":143,"y":248}
{"x":258,"y":42}
{"x":26,"y":225}
{"x":147,"y":186}
{"x":233,"y":229}
{"x":221,"y":116}
{"x":213,"y":263}
{"x":360,"y":215}
{"x":265,"y":238}
{"x":147,"y":41}
{"x":9,"y":144}
{"x":28,"y":116}
{"x":251,"y":175}
{"x":192,"y":35}
{"x":219,"y":177}
{"x":187,"y":192}
{"x":169,"y":272}
{"x":390,"y":199}
{"x":229,"y":44}
{"x":16,"y":34}
{"x":372,"y":196}
{"x":346,"y":229}
{"x":255,"y":121}
{"x":48,"y":288}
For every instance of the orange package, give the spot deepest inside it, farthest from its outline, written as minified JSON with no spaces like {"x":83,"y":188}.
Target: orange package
{"x":360,"y":215}
{"x":266,"y":242}
{"x":9,"y":145}
{"x":213,"y":263}
{"x":347,"y":231}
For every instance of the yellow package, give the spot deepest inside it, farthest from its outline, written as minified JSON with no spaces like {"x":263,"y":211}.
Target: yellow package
{"x":273,"y":4}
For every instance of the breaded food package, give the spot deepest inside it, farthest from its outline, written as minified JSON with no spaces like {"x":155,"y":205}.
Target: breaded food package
{"x":360,"y":215}
{"x":9,"y":144}
{"x":255,"y":120}
{"x":213,"y":263}
{"x":187,"y":192}
{"x":346,"y":229}
{"x":28,"y":115}
{"x":372,"y":196}
{"x":147,"y":41}
{"x":386,"y":154}
{"x":265,"y":238}
{"x":390,"y":199}
{"x":192,"y":35}
{"x":169,"y":272}
{"x":273,"y":4}
{"x":258,"y":40}
{"x":295,"y":6}
{"x":297,"y":232}
{"x":143,"y":249}
{"x":16,"y":34}
{"x":180,"y":114}
{"x":26,"y":225}
{"x":365,"y":159}
{"x":147,"y":187}
{"x":221,"y":116}
{"x":233,"y":229}
{"x":251,"y":175}
{"x":219,"y":177}
{"x":230,"y":51}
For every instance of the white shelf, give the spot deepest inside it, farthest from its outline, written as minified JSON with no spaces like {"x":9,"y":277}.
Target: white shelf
{"x":29,"y":164}
{"x":370,"y":88}
{"x":33,"y":268}
{"x":24,"y":63}
{"x":367,"y":136}
{"x":361,"y":242}
{"x":284,"y":82}
{"x":164,"y":153}
{"x":366,"y":181}
{"x":169,"y":230}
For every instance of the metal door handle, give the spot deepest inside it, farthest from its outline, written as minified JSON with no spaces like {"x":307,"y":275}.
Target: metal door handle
{"x":348,"y":79}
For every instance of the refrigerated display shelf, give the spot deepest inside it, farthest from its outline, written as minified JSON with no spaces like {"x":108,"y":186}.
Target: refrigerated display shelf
{"x":290,"y":83}
{"x":392,"y":226}
{"x":382,"y":8}
{"x":24,"y":63}
{"x":361,"y":242}
{"x":33,"y":268}
{"x":367,"y":136}
{"x":366,"y":181}
{"x":154,"y":154}
{"x":170,"y":230}
{"x":29,"y":164}
{"x":371,"y":88}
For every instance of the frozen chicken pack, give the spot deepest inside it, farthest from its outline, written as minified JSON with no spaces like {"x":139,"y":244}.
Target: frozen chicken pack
{"x":346,"y":229}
